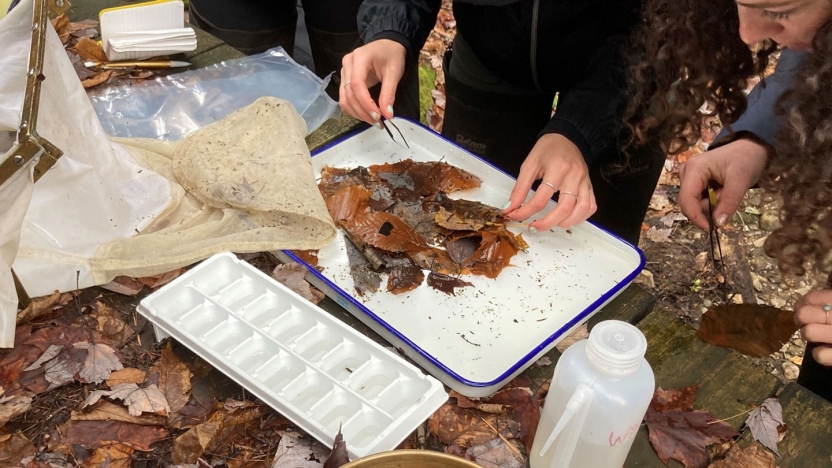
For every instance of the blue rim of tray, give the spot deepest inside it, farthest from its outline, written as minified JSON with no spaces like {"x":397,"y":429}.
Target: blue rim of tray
{"x":531,"y":354}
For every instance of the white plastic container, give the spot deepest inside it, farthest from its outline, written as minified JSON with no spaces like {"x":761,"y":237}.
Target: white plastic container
{"x":599,"y":394}
{"x":309,"y":366}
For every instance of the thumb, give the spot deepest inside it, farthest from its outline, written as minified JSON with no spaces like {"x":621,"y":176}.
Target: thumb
{"x":387,"y":95}
{"x":728,"y":203}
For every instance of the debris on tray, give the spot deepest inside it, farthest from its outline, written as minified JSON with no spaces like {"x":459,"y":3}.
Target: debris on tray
{"x":399,"y":220}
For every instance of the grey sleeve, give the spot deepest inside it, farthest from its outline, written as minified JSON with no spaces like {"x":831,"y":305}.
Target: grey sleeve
{"x":760,"y":119}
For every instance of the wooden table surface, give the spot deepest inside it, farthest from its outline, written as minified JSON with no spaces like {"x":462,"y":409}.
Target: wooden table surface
{"x":729,"y":383}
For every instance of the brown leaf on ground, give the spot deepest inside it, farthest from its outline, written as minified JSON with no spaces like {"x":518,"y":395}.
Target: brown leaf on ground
{"x":755,"y":330}
{"x":47,"y":355}
{"x":96,"y":80}
{"x":751,"y":457}
{"x":339,"y":456}
{"x":658,"y":235}
{"x":468,"y":427}
{"x":106,"y":411}
{"x":766,"y":423}
{"x":295,"y":451}
{"x":125,"y":286}
{"x":127,"y":375}
{"x":386,"y":232}
{"x":189,"y":416}
{"x":496,"y":454}
{"x":674,"y":399}
{"x":111,"y":456}
{"x":220,"y":429}
{"x":138,"y":400}
{"x":14,"y":448}
{"x":42,"y":306}
{"x":9,"y":372}
{"x":677,"y":431}
{"x":580,"y":333}
{"x":108,"y":321}
{"x":293,"y":276}
{"x":13,"y":406}
{"x":173,"y":377}
{"x":64,"y":368}
{"x":147,"y":400}
{"x":61,"y":25}
{"x":525,"y":409}
{"x":119,"y":392}
{"x":91,"y":50}
{"x":100,"y":363}
{"x":95,"y":434}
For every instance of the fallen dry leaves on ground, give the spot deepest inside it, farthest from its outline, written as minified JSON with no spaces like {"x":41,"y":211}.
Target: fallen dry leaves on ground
{"x":750,"y":457}
{"x":488,"y":431}
{"x":678,"y":431}
{"x":767,"y":425}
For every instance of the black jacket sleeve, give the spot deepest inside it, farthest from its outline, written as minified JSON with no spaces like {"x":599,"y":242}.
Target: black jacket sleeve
{"x":760,"y":120}
{"x":407,"y":22}
{"x":588,"y":113}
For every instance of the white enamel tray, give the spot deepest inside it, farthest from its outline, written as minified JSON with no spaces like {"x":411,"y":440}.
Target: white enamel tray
{"x":312,"y":368}
{"x":479,"y":339}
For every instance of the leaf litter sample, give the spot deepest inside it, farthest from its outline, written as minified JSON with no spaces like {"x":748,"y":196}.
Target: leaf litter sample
{"x":398,"y":222}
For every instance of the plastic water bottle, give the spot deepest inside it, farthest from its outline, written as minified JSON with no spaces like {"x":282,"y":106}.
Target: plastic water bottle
{"x":596,"y":402}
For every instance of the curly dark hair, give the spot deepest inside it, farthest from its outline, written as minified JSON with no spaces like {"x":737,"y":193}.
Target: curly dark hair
{"x":686,"y":55}
{"x":801,"y":169}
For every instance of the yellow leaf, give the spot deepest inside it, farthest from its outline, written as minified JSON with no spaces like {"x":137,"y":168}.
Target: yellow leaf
{"x":89,"y":49}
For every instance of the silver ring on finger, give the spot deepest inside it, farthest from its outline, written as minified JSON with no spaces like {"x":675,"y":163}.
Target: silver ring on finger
{"x":550,"y":185}
{"x":566,"y":192}
{"x":347,"y":83}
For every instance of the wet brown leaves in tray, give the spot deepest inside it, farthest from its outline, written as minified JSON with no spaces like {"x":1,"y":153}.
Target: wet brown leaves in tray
{"x":403,"y":209}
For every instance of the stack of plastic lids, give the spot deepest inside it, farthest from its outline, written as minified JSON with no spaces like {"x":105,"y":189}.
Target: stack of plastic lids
{"x":312,"y":368}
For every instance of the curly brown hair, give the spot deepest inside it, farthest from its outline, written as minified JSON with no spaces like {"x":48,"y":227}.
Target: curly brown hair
{"x":687,"y":55}
{"x":801,"y":169}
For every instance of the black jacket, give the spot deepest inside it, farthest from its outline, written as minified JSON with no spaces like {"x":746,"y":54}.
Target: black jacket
{"x":577,"y":43}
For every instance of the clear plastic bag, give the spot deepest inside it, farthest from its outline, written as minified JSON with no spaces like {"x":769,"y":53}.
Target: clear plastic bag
{"x":171,"y":107}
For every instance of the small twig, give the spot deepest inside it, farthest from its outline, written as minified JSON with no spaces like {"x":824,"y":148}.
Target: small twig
{"x":514,"y":450}
{"x":732,"y":417}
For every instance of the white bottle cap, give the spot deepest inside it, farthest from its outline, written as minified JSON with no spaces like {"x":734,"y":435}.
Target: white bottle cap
{"x":616,"y":347}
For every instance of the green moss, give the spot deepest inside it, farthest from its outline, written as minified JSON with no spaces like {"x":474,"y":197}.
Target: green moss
{"x":427,"y":78}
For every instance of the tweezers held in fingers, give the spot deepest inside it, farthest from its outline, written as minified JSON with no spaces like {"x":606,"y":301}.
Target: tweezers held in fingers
{"x":384,"y":123}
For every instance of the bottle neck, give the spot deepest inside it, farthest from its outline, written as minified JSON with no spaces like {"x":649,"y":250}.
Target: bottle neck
{"x":611,"y":367}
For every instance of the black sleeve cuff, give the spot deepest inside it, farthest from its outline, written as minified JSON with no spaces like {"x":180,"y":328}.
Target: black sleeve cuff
{"x":393,"y":36}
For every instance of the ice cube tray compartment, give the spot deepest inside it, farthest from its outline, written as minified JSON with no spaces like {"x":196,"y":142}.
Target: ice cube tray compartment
{"x":314,"y":369}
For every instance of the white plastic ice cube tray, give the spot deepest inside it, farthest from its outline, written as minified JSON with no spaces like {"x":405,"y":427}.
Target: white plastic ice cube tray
{"x":306,"y":364}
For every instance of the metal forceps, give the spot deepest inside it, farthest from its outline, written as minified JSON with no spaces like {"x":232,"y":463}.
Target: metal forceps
{"x":713,"y":233}
{"x":384,"y":123}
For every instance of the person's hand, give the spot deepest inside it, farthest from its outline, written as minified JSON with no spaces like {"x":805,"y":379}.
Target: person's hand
{"x":735,"y":168}
{"x":561,"y":166}
{"x":379,"y":61}
{"x":812,"y":314}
